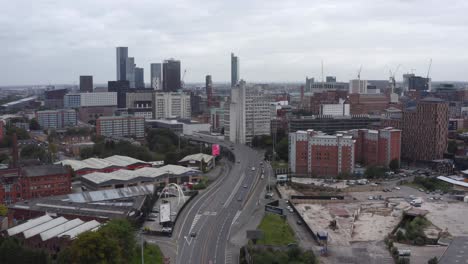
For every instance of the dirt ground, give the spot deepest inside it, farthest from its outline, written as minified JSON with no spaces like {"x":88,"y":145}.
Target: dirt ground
{"x":451,"y":216}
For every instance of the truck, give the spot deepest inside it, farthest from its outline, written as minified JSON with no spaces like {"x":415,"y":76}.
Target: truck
{"x":416,"y":202}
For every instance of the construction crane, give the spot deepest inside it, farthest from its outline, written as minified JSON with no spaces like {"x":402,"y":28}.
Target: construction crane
{"x":427,"y":76}
{"x":392,"y":78}
{"x":359,"y":73}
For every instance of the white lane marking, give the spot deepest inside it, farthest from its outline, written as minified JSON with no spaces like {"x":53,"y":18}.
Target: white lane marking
{"x":194,"y":222}
{"x":234,"y":191}
{"x":228,"y":257}
{"x":219,"y":236}
{"x":236,"y":216}
{"x":188,"y":242}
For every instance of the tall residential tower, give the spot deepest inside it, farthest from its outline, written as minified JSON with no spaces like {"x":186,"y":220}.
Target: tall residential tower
{"x":122,"y":55}
{"x":156,"y":76}
{"x":171,"y":75}
{"x":234,"y":70}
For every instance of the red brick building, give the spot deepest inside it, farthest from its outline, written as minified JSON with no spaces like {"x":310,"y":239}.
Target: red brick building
{"x":18,"y":184}
{"x":328,"y":97}
{"x":315,"y":154}
{"x":377,"y":147}
{"x":368,"y":103}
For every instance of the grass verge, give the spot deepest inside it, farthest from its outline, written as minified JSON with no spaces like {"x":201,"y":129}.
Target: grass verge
{"x":276,"y":231}
{"x":151,"y":254}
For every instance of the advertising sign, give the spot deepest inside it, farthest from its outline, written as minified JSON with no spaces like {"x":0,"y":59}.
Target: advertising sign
{"x":165,"y":212}
{"x":215,"y":150}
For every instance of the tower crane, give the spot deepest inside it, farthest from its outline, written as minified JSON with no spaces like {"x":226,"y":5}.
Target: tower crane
{"x":427,"y":76}
{"x":182,"y":83}
{"x":359,"y":73}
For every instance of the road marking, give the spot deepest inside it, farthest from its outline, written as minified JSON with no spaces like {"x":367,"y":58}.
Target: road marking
{"x":194,"y":222}
{"x":208,"y":213}
{"x":228,"y":257}
{"x":236,"y":189}
{"x":188,"y":242}
{"x":236,"y":216}
{"x":219,"y":236}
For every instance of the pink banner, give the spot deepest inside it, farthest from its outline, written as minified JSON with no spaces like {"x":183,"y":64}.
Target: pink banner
{"x":215,"y":150}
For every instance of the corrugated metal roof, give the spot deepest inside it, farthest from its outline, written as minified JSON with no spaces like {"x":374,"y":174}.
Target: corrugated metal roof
{"x":29,"y":224}
{"x":53,"y":232}
{"x":43,"y":227}
{"x":103,"y":195}
{"x":72,"y":233}
{"x":197,"y":157}
{"x":177,"y":170}
{"x":96,"y":163}
{"x":459,"y":183}
{"x":123,"y":160}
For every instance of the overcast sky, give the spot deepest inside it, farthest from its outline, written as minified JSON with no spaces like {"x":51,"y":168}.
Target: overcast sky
{"x":45,"y":42}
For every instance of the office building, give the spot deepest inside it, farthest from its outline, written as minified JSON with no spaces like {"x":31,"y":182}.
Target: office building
{"x":120,"y":126}
{"x":179,"y":126}
{"x":53,"y":99}
{"x":312,"y":87}
{"x":315,"y":154}
{"x":72,"y":101}
{"x":373,"y":104}
{"x":209,"y":90}
{"x":156,"y":76}
{"x":339,"y":109}
{"x":358,"y":86}
{"x":33,"y":181}
{"x":333,"y":124}
{"x":171,"y":105}
{"x":249,"y":114}
{"x":98,"y":99}
{"x":140,"y":103}
{"x":139,"y":78}
{"x":86,"y":84}
{"x":121,"y":88}
{"x":234,"y":70}
{"x":330,"y":79}
{"x":377,"y":147}
{"x":56,"y":119}
{"x":406,"y":77}
{"x":91,"y":113}
{"x":130,"y":72}
{"x":122,"y":55}
{"x":171,"y":75}
{"x":419,"y":83}
{"x":425,"y":130}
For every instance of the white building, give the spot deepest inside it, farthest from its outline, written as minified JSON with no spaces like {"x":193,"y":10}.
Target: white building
{"x":249,"y":115}
{"x":358,"y":86}
{"x":57,"y":119}
{"x":90,"y":99}
{"x":121,"y":126}
{"x":171,"y":105}
{"x":339,"y":109}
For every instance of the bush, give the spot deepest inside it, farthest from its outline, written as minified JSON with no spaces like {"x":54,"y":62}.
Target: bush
{"x":433,"y":260}
{"x":400,"y":236}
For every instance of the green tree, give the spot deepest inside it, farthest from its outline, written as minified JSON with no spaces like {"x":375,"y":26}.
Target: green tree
{"x":282,"y":149}
{"x":400,"y":236}
{"x":33,"y":152}
{"x":123,"y":232}
{"x":374,"y":172}
{"x":34,"y":125}
{"x":3,"y":210}
{"x":93,"y":247}
{"x":433,"y":260}
{"x":394,"y":165}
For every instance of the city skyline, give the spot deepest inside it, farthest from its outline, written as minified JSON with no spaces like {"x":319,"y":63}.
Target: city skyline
{"x":277,"y":41}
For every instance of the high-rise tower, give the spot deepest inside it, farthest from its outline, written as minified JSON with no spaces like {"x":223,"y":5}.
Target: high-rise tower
{"x":122,"y":55}
{"x":171,"y":75}
{"x":234,"y":70}
{"x":209,"y":90}
{"x":156,"y":76}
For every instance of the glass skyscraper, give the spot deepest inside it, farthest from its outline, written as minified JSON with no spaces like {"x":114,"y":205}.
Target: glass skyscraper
{"x":171,"y":75}
{"x":122,"y":55}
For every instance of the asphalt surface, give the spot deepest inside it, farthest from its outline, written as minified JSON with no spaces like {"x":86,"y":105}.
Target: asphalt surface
{"x":203,"y":229}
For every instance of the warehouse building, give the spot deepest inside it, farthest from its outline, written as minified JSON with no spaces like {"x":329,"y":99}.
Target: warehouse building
{"x":109,"y":164}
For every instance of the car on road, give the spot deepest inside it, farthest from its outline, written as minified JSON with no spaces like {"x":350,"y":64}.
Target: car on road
{"x":253,"y":168}
{"x":299,"y":222}
{"x":238,"y":161}
{"x":239,"y":198}
{"x":421,"y":189}
{"x":193,"y":234}
{"x":397,"y":188}
{"x":245,"y":185}
{"x":291,"y":210}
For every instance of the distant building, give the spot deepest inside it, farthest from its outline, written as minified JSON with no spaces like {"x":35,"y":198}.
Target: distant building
{"x":121,"y":126}
{"x":122,"y":55}
{"x":316,"y":154}
{"x":312,"y":87}
{"x":130,"y":72}
{"x":339,"y":109}
{"x":156,"y":76}
{"x":86,"y":83}
{"x":358,"y":86}
{"x":90,"y":114}
{"x":249,"y":114}
{"x":209,"y":90}
{"x":72,"y":100}
{"x":234,"y":70}
{"x":374,"y":104}
{"x":121,"y":87}
{"x":186,"y":127}
{"x":53,"y":99}
{"x":171,"y":76}
{"x":419,"y":83}
{"x":217,"y":118}
{"x":139,"y":78}
{"x":314,"y":102}
{"x":171,"y":105}
{"x":140,"y":103}
{"x":56,"y":119}
{"x":197,"y":161}
{"x":99,"y":99}
{"x":330,"y":79}
{"x":34,"y":181}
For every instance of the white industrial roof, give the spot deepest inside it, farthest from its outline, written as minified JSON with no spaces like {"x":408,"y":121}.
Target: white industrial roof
{"x":452,"y":181}
{"x":96,"y":163}
{"x":197,"y":157}
{"x":126,"y":175}
{"x":29,"y":224}
{"x":110,"y":194}
{"x":72,"y":233}
{"x":53,"y":232}
{"x":44,"y":227}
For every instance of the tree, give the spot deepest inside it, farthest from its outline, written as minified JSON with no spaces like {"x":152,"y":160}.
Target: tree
{"x":394,"y":165}
{"x":121,"y":231}
{"x":3,"y":210}
{"x":282,"y":149}
{"x":93,"y":247}
{"x":33,"y":152}
{"x":34,"y":125}
{"x":400,"y":236}
{"x":433,"y":260}
{"x":374,"y":172}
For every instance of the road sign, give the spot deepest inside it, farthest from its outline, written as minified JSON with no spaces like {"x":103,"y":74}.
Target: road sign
{"x":274,"y":209}
{"x":215,"y":150}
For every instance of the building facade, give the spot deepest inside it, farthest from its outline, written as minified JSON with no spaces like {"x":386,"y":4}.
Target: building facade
{"x":377,"y":147}
{"x":358,"y":86}
{"x":209,"y":90}
{"x":53,"y":99}
{"x":122,"y":55}
{"x":72,"y":101}
{"x":140,"y":103}
{"x":156,"y":76}
{"x":425,"y":130}
{"x":234,"y":70}
{"x":121,"y":126}
{"x":32,"y":182}
{"x":139,"y":78}
{"x":333,"y":124}
{"x":315,"y":154}
{"x":171,"y":105}
{"x":86,"y":83}
{"x":171,"y":75}
{"x":121,"y":88}
{"x":56,"y":119}
{"x":98,"y":99}
{"x":249,"y":114}
{"x":130,"y":72}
